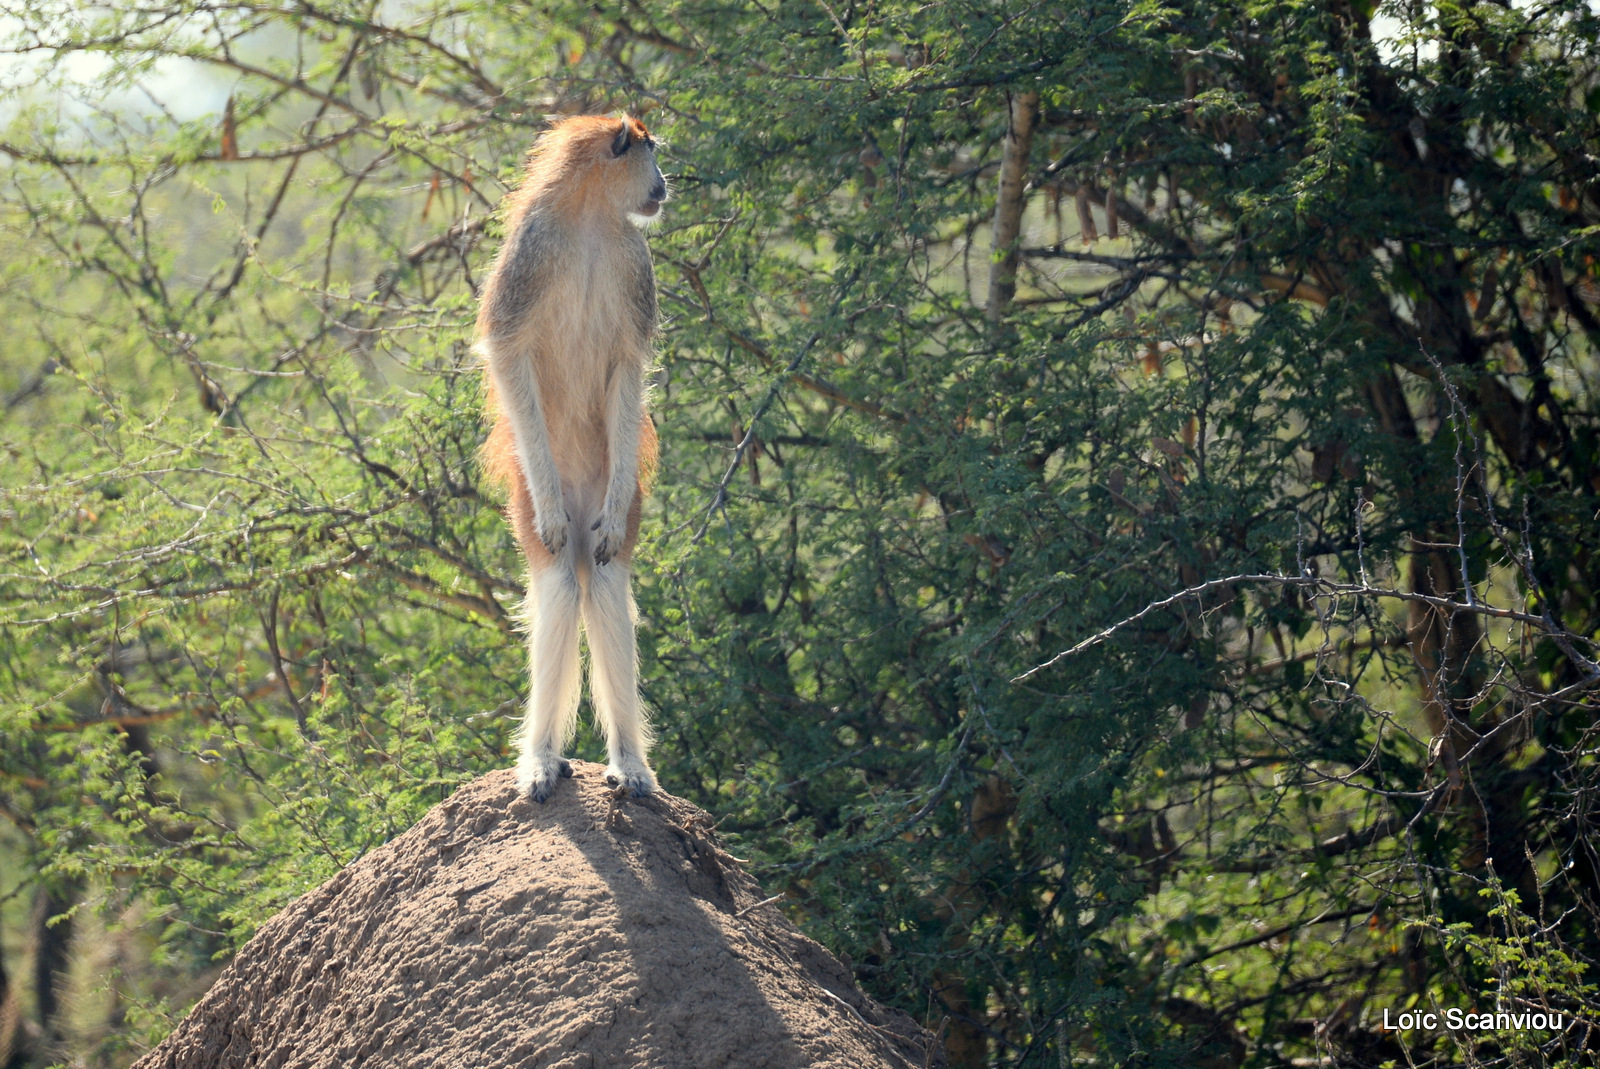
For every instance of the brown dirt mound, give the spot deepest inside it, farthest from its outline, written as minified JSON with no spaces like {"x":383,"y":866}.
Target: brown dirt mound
{"x":589,"y":931}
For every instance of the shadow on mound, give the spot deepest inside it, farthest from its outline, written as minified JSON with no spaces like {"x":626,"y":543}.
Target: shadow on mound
{"x":588,"y":931}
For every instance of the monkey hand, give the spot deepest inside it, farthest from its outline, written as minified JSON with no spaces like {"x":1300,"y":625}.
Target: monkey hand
{"x":553,"y":532}
{"x":611,"y":532}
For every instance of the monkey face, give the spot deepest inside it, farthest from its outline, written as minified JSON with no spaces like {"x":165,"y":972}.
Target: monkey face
{"x":600,"y":162}
{"x":633,"y":151}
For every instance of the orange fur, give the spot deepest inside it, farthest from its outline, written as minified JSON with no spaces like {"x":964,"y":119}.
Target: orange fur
{"x":498,"y":454}
{"x":561,"y":165}
{"x":499,"y":458}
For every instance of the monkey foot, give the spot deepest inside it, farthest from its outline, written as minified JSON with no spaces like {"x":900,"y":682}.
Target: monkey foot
{"x":634,"y":777}
{"x":537,"y":777}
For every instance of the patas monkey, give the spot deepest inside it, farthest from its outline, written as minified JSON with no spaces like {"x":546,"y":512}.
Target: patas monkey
{"x":565,"y":331}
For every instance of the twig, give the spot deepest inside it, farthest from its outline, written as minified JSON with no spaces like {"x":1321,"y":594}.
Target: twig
{"x":1329,"y":588}
{"x":758,"y":905}
{"x":721,"y":497}
{"x":1284,"y":929}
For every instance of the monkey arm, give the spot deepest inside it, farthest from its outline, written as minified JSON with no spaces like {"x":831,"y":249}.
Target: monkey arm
{"x":518,"y":389}
{"x":624,"y":416}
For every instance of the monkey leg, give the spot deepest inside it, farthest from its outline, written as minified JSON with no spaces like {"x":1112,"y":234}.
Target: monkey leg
{"x":552,"y":616}
{"x":609,"y":621}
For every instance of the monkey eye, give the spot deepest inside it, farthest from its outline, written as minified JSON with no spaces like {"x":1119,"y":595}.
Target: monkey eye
{"x":621,"y":143}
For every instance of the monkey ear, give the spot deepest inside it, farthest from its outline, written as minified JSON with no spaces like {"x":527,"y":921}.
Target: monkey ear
{"x":623,"y":141}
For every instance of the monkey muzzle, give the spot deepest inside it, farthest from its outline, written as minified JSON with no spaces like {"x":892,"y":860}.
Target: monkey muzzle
{"x":652,"y":206}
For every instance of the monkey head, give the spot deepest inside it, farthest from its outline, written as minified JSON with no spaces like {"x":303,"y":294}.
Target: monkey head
{"x":640,"y":182}
{"x":591,"y":164}
{"x":598,"y":160}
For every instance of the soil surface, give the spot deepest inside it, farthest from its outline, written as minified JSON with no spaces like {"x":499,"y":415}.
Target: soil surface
{"x":588,"y":931}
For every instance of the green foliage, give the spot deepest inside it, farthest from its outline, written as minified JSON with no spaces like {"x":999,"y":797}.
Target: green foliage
{"x":258,"y":607}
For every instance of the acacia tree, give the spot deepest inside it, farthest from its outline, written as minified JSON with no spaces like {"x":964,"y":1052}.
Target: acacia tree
{"x":987,"y":327}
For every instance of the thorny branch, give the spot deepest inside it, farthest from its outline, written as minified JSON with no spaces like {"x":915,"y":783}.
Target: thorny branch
{"x":1320,"y":587}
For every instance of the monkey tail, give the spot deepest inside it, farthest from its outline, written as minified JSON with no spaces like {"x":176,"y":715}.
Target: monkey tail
{"x":649,"y":455}
{"x":499,"y":452}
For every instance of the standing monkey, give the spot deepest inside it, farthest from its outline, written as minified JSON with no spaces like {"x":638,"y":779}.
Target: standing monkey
{"x":564,"y":330}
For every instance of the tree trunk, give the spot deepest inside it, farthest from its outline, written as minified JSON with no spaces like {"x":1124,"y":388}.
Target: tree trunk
{"x":966,"y":1043}
{"x":1008,"y":207}
{"x":50,"y":956}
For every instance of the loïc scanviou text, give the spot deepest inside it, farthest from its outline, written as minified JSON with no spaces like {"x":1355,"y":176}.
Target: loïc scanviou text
{"x":1459,"y":1020}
